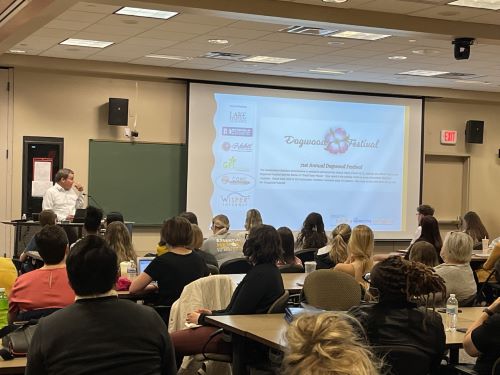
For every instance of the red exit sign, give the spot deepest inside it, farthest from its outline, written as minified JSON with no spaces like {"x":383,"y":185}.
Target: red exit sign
{"x":448,"y":137}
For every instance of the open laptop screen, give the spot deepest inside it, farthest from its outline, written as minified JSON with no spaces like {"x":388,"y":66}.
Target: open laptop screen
{"x":142,"y":263}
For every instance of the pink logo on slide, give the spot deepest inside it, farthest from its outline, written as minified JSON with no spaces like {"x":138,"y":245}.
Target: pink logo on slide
{"x":336,"y":141}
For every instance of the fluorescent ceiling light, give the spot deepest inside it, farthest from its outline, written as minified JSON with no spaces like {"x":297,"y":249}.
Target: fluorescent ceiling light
{"x":218,"y":41}
{"x":16,"y":51}
{"x":481,"y":4}
{"x":268,"y":59}
{"x":470,"y":81}
{"x":86,"y":43}
{"x":359,"y":35}
{"x":335,"y":1}
{"x":397,"y":57}
{"x":166,"y":57}
{"x":148,"y":13}
{"x":329,"y":71}
{"x":423,"y":73}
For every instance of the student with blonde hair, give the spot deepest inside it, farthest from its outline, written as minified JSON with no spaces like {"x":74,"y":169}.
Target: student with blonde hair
{"x":118,"y":238}
{"x":360,"y":249}
{"x":327,"y":344}
{"x":223,"y":244}
{"x":253,"y":219}
{"x":336,"y":250}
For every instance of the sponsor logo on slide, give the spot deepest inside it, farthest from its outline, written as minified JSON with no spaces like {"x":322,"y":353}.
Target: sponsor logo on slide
{"x":238,"y":117}
{"x":234,"y":199}
{"x":335,"y":141}
{"x":237,"y":147}
{"x":236,"y":182}
{"x":237,"y":132}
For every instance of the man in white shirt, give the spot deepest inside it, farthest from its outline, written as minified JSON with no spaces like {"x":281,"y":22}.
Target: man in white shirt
{"x":65,"y":196}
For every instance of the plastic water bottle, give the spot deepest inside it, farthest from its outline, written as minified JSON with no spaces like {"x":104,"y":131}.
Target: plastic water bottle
{"x":451,"y":313}
{"x":4,"y":308}
{"x":131,"y":270}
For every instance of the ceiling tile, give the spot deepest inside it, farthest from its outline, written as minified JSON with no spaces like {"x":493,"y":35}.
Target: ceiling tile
{"x":79,"y":16}
{"x":67,"y":25}
{"x":94,"y":8}
{"x":186,"y":27}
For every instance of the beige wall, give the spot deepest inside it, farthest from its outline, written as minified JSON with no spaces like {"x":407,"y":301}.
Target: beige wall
{"x":71,"y":103}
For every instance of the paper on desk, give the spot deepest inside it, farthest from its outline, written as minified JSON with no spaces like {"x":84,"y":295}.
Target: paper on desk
{"x":38,"y":188}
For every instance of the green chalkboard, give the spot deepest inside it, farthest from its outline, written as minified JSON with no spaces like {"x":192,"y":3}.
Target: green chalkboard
{"x":144,"y":181}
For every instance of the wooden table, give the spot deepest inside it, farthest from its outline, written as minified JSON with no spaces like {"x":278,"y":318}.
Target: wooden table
{"x":15,"y":366}
{"x":269,"y":329}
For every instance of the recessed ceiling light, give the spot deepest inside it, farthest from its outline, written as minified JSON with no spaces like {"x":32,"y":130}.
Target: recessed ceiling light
{"x":412,"y":40}
{"x":306,"y":30}
{"x":397,"y":57}
{"x":423,"y":73}
{"x":426,"y":52}
{"x":359,"y":35}
{"x":268,"y":59}
{"x":218,"y":41}
{"x":148,"y":13}
{"x":482,"y":4}
{"x":166,"y":57}
{"x":86,"y":43}
{"x":330,"y":71}
{"x":16,"y":51}
{"x":335,"y":43}
{"x":335,"y":1}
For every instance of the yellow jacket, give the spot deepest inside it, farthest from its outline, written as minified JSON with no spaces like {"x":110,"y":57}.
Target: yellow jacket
{"x":485,"y":270}
{"x":8,"y":274}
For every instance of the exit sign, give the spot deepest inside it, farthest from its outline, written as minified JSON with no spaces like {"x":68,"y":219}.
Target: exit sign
{"x":448,"y":137}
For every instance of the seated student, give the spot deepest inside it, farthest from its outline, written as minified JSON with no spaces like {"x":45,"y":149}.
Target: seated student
{"x":252,"y":219}
{"x":456,"y":270}
{"x":360,"y":251}
{"x":336,"y":250}
{"x":8,"y":274}
{"x":196,"y":244}
{"x":174,"y":269}
{"x":46,"y":287}
{"x":99,"y":333}
{"x":118,"y":238}
{"x":483,"y":339}
{"x":484,"y":272}
{"x":327,"y":344}
{"x":474,"y":227}
{"x":429,"y":233}
{"x":288,"y":246}
{"x":424,"y":253}
{"x":397,"y":318}
{"x":422,"y":211}
{"x":29,"y":257}
{"x":255,"y":294}
{"x":220,"y":243}
{"x":190,"y":216}
{"x":312,"y":235}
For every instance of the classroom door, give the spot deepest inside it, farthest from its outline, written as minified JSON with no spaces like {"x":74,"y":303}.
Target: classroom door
{"x":6,"y":231}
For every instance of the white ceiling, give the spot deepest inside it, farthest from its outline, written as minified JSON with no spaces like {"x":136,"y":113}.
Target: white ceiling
{"x":187,"y":35}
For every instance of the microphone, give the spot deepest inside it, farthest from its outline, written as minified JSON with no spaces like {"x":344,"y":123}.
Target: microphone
{"x":93,"y":199}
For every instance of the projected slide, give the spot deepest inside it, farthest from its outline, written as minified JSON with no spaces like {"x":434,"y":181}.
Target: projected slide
{"x":289,"y":156}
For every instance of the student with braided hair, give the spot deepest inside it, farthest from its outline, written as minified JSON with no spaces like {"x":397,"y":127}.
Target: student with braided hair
{"x":401,"y":317}
{"x":327,"y":344}
{"x":336,"y":250}
{"x":312,"y":235}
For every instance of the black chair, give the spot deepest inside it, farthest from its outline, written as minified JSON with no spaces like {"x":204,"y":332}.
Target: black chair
{"x":214,"y":270}
{"x":404,"y":360}
{"x":490,"y":290}
{"x":306,"y":255}
{"x":35,"y":314}
{"x":291,"y":268}
{"x":237,"y":265}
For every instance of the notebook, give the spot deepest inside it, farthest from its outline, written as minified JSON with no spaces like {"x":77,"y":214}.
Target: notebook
{"x":142,"y":263}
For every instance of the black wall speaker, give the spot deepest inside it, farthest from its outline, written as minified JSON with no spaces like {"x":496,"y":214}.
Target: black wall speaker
{"x":474,"y":131}
{"x":118,"y":111}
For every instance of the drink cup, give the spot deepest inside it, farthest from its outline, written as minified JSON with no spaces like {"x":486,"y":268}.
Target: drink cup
{"x":485,"y":243}
{"x":310,"y":266}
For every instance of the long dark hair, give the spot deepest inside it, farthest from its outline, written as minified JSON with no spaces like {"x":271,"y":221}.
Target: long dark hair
{"x":263,"y":245}
{"x":430,"y":232}
{"x":312,"y":234}
{"x":473,"y":226}
{"x":287,"y":244}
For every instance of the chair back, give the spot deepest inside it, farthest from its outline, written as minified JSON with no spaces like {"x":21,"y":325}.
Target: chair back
{"x":279,"y":305}
{"x":331,"y":290}
{"x":403,"y":360}
{"x":35,"y":314}
{"x":214,"y":270}
{"x":306,"y":255}
{"x":495,"y":370}
{"x":291,"y":268}
{"x":237,"y":265}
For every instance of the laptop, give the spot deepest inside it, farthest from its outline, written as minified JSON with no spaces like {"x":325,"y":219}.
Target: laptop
{"x":142,"y":263}
{"x":80,"y":214}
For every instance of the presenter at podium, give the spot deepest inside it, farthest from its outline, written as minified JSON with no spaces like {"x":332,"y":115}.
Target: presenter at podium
{"x":65,"y":196}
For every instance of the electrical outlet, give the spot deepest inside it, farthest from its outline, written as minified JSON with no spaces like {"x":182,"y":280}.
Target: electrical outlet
{"x":127,"y":132}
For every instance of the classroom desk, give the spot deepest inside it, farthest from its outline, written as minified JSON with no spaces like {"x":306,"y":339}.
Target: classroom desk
{"x":15,"y":366}
{"x":269,"y":329}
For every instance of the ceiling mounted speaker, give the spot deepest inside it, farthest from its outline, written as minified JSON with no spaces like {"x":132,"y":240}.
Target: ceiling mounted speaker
{"x":474,"y":131}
